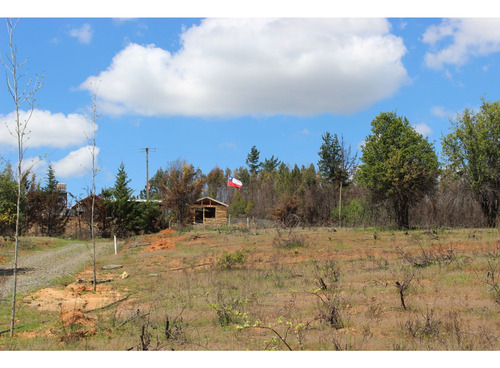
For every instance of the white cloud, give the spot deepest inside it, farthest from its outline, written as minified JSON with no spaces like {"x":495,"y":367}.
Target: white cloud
{"x":423,"y":129}
{"x":76,"y":164}
{"x":35,"y":165}
{"x":263,"y":66}
{"x":46,"y":129}
{"x":455,"y":41}
{"x":441,"y":112}
{"x":83,"y":34}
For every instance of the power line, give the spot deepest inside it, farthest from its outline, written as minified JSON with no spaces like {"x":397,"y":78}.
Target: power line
{"x":147,"y":150}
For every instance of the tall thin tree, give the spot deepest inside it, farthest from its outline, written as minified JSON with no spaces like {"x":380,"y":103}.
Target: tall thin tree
{"x":336,"y":163}
{"x":92,"y":119}
{"x":21,"y":96}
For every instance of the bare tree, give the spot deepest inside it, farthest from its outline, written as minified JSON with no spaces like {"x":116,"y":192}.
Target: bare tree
{"x":92,"y":118}
{"x":21,"y":96}
{"x":181,"y":186}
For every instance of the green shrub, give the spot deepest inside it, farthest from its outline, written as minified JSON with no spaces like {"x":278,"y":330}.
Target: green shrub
{"x":232,"y":260}
{"x":353,"y":213}
{"x":229,"y":311}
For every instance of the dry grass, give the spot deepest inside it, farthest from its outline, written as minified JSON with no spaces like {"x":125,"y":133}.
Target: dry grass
{"x":291,"y":298}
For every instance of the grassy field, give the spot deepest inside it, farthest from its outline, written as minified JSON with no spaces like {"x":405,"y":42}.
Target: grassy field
{"x":262,"y":289}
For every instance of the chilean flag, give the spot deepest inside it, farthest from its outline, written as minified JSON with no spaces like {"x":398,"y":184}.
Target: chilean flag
{"x":232,"y":182}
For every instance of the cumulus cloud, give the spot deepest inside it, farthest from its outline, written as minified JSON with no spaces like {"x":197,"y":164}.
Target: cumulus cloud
{"x":423,"y":129}
{"x":83,"y":34}
{"x":76,"y":164}
{"x":234,"y":67}
{"x":46,"y":129}
{"x":455,"y":41}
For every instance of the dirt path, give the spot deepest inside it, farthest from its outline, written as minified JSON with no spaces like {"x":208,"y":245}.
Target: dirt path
{"x":40,"y":268}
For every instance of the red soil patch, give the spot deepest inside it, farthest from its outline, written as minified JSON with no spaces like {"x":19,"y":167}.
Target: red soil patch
{"x":163,"y":240}
{"x":75,"y":296}
{"x":73,"y":304}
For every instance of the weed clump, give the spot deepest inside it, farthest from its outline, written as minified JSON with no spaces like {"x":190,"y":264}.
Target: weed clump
{"x":327,"y":282}
{"x":493,"y":286}
{"x":232,"y":260}
{"x":229,"y":311}
{"x":293,"y":241}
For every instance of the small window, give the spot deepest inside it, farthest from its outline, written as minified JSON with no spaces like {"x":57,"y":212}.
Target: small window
{"x":210,"y":212}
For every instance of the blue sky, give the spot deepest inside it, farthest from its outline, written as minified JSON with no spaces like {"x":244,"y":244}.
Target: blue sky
{"x":207,"y":90}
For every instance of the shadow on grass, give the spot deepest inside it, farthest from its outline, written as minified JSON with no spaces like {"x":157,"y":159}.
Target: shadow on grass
{"x":10,"y":271}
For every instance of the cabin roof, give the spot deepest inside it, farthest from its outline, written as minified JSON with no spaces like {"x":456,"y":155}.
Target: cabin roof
{"x":211,"y":199}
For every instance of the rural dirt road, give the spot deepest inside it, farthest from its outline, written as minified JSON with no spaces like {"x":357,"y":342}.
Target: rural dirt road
{"x":40,"y":268}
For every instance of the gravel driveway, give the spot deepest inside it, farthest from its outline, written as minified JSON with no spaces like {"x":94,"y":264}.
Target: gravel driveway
{"x":40,"y":268}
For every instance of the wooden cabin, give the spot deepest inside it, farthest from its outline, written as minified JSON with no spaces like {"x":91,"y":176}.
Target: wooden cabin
{"x":208,"y":211}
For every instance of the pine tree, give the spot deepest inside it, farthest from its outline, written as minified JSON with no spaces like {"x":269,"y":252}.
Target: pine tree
{"x":336,"y":162}
{"x":253,"y":161}
{"x":150,"y":217}
{"x":122,"y":205}
{"x":54,"y":215}
{"x":51,"y":180}
{"x":271,"y":164}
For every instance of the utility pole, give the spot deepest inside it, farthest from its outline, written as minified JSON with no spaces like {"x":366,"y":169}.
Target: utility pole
{"x":147,"y":149}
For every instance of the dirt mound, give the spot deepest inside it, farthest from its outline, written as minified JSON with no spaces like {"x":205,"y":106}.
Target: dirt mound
{"x":165,"y":239}
{"x":73,"y":304}
{"x":167,"y":232}
{"x":74,"y":325}
{"x":75,"y":296}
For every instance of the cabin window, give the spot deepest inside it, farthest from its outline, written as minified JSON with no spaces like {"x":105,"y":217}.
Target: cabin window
{"x":210,"y":212}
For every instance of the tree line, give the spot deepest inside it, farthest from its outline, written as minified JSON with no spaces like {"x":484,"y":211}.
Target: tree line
{"x":397,"y":180}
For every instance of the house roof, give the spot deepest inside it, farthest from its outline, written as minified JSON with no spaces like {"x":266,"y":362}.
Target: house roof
{"x":213,"y":200}
{"x":112,"y":200}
